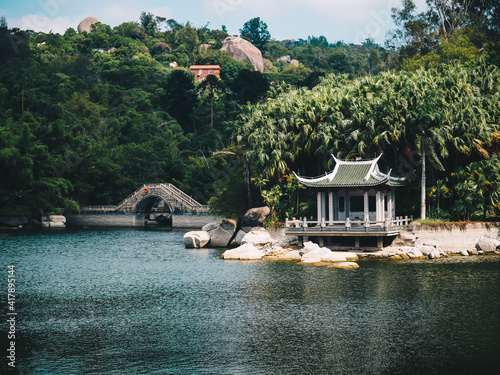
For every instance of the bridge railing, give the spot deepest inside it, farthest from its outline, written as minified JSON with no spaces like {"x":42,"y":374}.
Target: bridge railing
{"x":183,"y":196}
{"x":101,"y":208}
{"x":185,"y":202}
{"x":347,"y":225}
{"x":132,"y":195}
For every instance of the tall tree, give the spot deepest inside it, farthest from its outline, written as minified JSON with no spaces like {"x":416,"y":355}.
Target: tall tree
{"x":255,"y":31}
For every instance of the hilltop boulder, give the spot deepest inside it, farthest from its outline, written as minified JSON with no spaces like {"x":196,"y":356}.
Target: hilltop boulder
{"x":241,"y":49}
{"x":86,"y":24}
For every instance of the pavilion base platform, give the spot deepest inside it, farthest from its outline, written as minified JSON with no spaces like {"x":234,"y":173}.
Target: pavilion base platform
{"x":368,"y":241}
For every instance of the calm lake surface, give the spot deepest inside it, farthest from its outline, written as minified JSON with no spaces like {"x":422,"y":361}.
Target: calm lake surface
{"x":114,"y":301}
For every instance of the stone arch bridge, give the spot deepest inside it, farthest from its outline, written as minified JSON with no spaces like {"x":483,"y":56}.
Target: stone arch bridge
{"x":149,"y":196}
{"x":149,"y":203}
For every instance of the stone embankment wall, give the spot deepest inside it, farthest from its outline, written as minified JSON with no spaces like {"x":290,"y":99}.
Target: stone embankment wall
{"x":94,"y":220}
{"x":447,"y":236}
{"x":79,"y":220}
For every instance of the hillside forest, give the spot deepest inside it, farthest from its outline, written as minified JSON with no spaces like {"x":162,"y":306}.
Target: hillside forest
{"x":87,"y":118}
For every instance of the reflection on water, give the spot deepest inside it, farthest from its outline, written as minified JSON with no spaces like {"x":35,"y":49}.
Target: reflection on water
{"x":137,"y":302}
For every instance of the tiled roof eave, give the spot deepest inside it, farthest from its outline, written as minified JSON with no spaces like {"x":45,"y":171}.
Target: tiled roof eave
{"x":346,"y":185}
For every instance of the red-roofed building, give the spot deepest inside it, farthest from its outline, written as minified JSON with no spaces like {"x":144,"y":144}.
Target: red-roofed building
{"x":202,"y":71}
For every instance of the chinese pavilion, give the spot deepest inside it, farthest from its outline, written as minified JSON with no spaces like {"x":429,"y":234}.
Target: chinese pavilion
{"x":354,"y":200}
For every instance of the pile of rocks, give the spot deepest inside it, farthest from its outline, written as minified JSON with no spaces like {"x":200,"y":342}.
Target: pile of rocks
{"x":228,"y":233}
{"x":258,"y":243}
{"x":253,"y":243}
{"x":256,"y":247}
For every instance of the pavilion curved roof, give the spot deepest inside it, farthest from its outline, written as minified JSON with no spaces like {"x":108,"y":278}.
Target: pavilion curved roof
{"x":353,"y":174}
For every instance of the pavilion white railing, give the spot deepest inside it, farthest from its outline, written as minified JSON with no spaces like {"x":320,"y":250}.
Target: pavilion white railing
{"x":298,"y":225}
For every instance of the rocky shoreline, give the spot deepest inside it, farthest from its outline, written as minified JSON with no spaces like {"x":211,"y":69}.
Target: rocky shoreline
{"x":22,"y":222}
{"x":258,"y":243}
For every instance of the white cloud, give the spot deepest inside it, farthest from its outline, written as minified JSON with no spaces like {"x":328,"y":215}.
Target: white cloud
{"x":45,"y":24}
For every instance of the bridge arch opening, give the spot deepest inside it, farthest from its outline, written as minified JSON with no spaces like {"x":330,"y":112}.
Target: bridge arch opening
{"x":155,"y":209}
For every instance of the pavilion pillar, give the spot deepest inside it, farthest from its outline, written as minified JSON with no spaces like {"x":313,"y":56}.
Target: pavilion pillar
{"x":366,"y":206}
{"x":379,"y":207}
{"x":337,"y":205}
{"x":323,"y":205}
{"x":393,"y":207}
{"x":390,"y":204}
{"x":380,"y":242}
{"x":319,"y":204}
{"x":330,"y":206}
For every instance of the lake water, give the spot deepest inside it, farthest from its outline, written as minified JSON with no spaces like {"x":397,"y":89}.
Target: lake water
{"x":136,"y":302}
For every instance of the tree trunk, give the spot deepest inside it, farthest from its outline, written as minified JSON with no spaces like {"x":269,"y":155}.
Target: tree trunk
{"x":440,"y":12}
{"x":249,"y":189}
{"x":422,"y":191}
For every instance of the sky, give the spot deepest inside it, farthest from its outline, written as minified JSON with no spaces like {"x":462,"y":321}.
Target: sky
{"x":349,"y":21}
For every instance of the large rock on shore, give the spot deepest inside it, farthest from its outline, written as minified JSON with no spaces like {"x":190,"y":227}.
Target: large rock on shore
{"x":404,"y":239}
{"x":210,"y":227}
{"x":308,"y":247}
{"x":255,"y":217}
{"x":223,"y":233}
{"x":488,"y":244}
{"x":53,"y":221}
{"x":86,"y":24}
{"x":317,"y":255}
{"x":196,"y":239}
{"x":241,"y":49}
{"x":247,"y":251}
{"x":257,"y":236}
{"x":323,"y":254}
{"x":14,"y":221}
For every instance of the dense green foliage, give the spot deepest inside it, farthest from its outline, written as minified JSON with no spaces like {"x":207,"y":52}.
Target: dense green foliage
{"x":87,"y":118}
{"x":452,"y":113}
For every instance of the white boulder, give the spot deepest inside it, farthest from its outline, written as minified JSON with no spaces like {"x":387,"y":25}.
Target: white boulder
{"x":345,"y":265}
{"x":308,"y":247}
{"x":210,"y":227}
{"x":53,"y":221}
{"x":247,"y":251}
{"x":319,"y":254}
{"x":241,"y":49}
{"x":86,"y":24}
{"x":488,"y":244}
{"x":257,"y":236}
{"x":196,"y":239}
{"x":426,"y":250}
